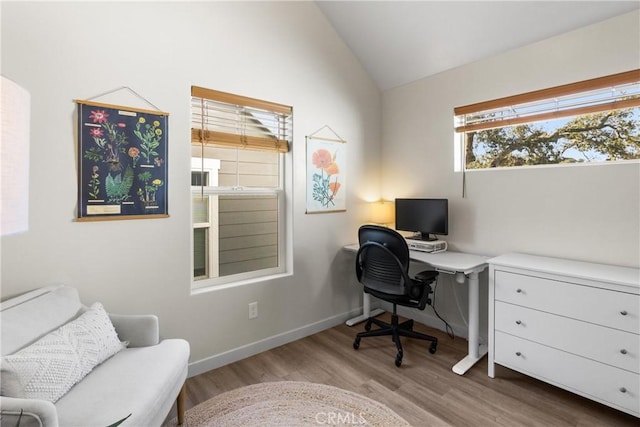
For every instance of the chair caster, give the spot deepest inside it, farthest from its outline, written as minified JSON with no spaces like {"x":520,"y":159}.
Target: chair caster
{"x":356,"y":343}
{"x":367,"y":326}
{"x":433,"y":347}
{"x":398,"y":360}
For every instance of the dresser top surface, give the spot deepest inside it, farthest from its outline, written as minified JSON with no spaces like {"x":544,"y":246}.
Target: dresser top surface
{"x":626,"y":276}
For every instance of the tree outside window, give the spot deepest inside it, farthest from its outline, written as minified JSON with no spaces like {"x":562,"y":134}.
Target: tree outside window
{"x":595,"y":120}
{"x":600,"y":137}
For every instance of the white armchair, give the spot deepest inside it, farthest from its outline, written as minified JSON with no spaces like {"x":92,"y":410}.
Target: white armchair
{"x":143,"y":379}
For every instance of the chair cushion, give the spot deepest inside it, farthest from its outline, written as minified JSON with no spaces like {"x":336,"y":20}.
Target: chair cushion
{"x":142,"y":381}
{"x":48,"y":368}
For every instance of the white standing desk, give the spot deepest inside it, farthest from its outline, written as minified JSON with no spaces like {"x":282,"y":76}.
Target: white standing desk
{"x":462,"y":266}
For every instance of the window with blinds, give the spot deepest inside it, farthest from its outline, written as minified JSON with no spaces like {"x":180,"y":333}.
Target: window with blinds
{"x":595,"y":120}
{"x":237,"y":146}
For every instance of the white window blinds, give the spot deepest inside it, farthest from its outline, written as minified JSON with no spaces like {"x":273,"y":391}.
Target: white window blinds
{"x":228,"y":120}
{"x":608,"y":93}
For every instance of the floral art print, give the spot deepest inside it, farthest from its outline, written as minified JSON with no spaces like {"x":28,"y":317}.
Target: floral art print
{"x":326,"y":176}
{"x":122,"y":158}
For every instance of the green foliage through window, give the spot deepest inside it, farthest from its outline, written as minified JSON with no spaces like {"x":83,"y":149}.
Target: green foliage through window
{"x":596,"y":120}
{"x":607,"y":136}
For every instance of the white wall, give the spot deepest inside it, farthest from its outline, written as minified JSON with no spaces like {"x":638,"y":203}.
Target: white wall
{"x":589,"y":213}
{"x":284,"y":52}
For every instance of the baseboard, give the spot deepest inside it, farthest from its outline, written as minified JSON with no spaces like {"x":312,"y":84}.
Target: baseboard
{"x":239,"y":353}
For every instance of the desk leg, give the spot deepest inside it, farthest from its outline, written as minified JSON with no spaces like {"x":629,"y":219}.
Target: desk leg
{"x":476,"y":351}
{"x":366,"y":311}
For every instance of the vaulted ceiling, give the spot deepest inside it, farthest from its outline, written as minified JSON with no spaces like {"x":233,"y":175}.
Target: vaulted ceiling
{"x":398,"y":42}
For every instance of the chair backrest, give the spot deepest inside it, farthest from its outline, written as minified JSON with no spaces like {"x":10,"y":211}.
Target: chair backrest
{"x":382,"y":262}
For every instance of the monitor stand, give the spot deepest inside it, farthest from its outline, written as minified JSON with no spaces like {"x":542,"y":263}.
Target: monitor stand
{"x":427,"y":237}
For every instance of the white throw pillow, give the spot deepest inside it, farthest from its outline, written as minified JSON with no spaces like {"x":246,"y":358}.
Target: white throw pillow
{"x":48,"y":368}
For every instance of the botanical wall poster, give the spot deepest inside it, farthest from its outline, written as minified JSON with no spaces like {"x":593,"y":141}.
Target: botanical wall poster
{"x":122,"y":162}
{"x":326,"y":175}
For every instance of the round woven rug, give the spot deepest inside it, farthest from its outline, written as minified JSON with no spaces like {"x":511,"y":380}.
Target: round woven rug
{"x":291,"y":403}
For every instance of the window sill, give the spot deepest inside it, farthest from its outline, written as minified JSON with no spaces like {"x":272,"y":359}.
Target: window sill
{"x":555,"y":165}
{"x":217,"y":287}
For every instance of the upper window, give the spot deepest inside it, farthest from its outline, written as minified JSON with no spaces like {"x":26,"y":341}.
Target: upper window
{"x":595,"y":120}
{"x":238,"y":149}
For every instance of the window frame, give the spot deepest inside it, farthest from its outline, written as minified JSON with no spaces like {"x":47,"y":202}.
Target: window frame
{"x":549,"y":94}
{"x":254,"y":275}
{"x":211,"y":166}
{"x":281,"y":193}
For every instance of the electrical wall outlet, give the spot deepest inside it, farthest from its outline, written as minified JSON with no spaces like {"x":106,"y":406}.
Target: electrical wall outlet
{"x":253,"y":310}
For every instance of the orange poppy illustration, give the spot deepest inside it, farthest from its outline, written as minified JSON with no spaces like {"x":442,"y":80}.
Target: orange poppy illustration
{"x":325,"y":181}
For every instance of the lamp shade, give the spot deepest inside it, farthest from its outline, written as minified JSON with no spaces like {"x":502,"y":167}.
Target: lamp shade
{"x":382,"y":212}
{"x":14,"y":157}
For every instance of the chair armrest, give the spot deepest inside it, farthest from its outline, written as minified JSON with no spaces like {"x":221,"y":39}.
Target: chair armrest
{"x":35,"y":412}
{"x":426,"y":276}
{"x":140,"y":330}
{"x":422,"y":291}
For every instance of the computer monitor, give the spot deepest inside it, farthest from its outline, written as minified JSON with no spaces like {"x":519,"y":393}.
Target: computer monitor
{"x":427,"y":216}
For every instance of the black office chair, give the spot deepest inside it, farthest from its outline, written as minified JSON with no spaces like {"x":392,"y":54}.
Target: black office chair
{"x":382,"y":266}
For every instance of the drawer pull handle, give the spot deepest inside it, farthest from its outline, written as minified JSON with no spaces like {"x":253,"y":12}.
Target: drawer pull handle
{"x":519,"y":290}
{"x":518,"y":322}
{"x":518,"y":353}
{"x":623,"y":390}
{"x":623,"y":312}
{"x":623,"y":351}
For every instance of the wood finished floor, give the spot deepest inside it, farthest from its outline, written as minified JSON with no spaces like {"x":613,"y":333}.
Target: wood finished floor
{"x":424,"y":391}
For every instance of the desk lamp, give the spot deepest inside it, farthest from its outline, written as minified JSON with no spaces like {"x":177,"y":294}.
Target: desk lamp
{"x":382,"y":212}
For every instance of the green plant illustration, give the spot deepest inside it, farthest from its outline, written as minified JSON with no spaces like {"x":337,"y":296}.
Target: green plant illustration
{"x":150,"y":137}
{"x":321,"y":190}
{"x":118,"y":186}
{"x":94,"y":183}
{"x":109,"y":139}
{"x":147,"y":193}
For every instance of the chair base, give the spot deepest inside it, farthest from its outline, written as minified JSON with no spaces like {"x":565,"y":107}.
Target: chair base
{"x":395,"y":330}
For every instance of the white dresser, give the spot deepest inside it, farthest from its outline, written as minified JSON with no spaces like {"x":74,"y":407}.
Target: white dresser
{"x":572,"y":324}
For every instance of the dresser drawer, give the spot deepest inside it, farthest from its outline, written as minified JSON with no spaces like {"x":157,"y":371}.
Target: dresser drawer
{"x":609,"y":385}
{"x":606,"y":345}
{"x":605,"y":307}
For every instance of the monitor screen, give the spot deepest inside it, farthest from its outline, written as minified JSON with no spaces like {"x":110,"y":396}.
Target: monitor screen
{"x":427,"y":216}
